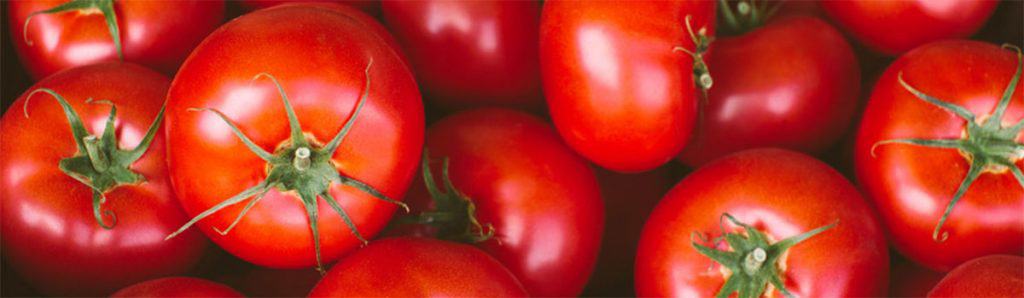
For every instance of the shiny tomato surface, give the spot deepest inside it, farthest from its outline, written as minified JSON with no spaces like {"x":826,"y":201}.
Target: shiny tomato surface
{"x":894,"y":27}
{"x":989,"y":276}
{"x":177,"y":287}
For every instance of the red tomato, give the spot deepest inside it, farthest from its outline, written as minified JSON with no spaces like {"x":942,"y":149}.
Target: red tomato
{"x":777,"y":198}
{"x":894,"y":27}
{"x":63,"y":236}
{"x":541,"y":201}
{"x":618,"y":90}
{"x":418,"y":267}
{"x":367,"y":6}
{"x":792,"y":83}
{"x":158,"y":34}
{"x":471,"y":53}
{"x":177,"y":287}
{"x":989,"y":276}
{"x":916,"y":186}
{"x":358,"y":117}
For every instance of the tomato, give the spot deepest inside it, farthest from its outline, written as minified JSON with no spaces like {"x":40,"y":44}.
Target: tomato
{"x":418,"y":267}
{"x":157,"y":34}
{"x":792,"y":84}
{"x":786,"y":219}
{"x":367,"y":6}
{"x":618,"y":79}
{"x":894,"y":27}
{"x":471,"y":53}
{"x":327,"y":130}
{"x":946,"y":186}
{"x":177,"y":287}
{"x":989,"y":276}
{"x":83,"y":212}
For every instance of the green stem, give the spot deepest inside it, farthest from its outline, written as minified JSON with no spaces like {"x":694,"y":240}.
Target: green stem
{"x":301,"y":160}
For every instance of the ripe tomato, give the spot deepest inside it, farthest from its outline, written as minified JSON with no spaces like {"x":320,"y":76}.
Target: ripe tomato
{"x":786,"y":218}
{"x":989,"y":276}
{"x":177,"y":287}
{"x":619,"y":83}
{"x":367,"y":6}
{"x":792,"y":83}
{"x":894,"y":27}
{"x":157,"y":34}
{"x":329,"y":166}
{"x":946,"y":186}
{"x":63,"y":236}
{"x":471,"y":53}
{"x":418,"y":267}
{"x":541,"y":201}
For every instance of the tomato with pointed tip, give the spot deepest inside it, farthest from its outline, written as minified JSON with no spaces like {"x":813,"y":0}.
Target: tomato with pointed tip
{"x":177,"y":287}
{"x":989,"y":276}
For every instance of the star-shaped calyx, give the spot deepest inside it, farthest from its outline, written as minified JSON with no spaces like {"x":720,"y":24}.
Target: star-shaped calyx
{"x":454,"y":214}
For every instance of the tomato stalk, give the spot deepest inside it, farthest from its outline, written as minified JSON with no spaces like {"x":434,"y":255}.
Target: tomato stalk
{"x":454,"y":214}
{"x":749,"y":14}
{"x":106,"y":7}
{"x":701,"y":43}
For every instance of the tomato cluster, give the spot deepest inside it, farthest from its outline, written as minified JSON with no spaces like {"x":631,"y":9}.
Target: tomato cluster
{"x":684,"y":148}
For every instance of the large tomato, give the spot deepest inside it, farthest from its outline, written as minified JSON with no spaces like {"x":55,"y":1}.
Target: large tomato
{"x":938,"y":151}
{"x":760,"y":217}
{"x":158,"y":34}
{"x":620,"y":76}
{"x":989,"y":276}
{"x":505,"y":180}
{"x":894,"y":27}
{"x":418,"y":267}
{"x":177,"y":287}
{"x":86,"y":205}
{"x":309,"y":116}
{"x":471,"y":53}
{"x":792,"y":83}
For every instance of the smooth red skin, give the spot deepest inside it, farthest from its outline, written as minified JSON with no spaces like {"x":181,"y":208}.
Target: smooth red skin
{"x":910,"y":279}
{"x":783,"y":194}
{"x":911,"y":185}
{"x":418,"y":267}
{"x":367,"y":6}
{"x":543,"y":200}
{"x":157,"y":34}
{"x":790,"y":84}
{"x":319,"y":56}
{"x":989,"y":276}
{"x":894,"y":27}
{"x":617,"y":93}
{"x":471,"y":53}
{"x":177,"y":287}
{"x":50,"y":236}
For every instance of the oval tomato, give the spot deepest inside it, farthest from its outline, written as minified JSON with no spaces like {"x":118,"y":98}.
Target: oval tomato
{"x":619,"y":84}
{"x":177,"y":287}
{"x":326,"y":128}
{"x":158,"y":34}
{"x":471,"y":53}
{"x":989,"y":276}
{"x":894,"y":27}
{"x":418,"y":267}
{"x":759,"y":217}
{"x":792,"y":83}
{"x":69,"y":238}
{"x":945,"y":185}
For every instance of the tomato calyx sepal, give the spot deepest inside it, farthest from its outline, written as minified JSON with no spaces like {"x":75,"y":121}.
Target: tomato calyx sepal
{"x":106,"y":7}
{"x":748,"y":14}
{"x":752,"y":260}
{"x":454,"y":213}
{"x":701,"y":43}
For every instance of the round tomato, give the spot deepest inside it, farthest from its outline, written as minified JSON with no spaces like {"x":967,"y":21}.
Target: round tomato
{"x":306,"y":114}
{"x":792,"y":84}
{"x":989,"y":276}
{"x":177,"y":287}
{"x":619,"y":77}
{"x":367,"y":6}
{"x":508,"y":183}
{"x":471,"y":53}
{"x":86,"y":198}
{"x":418,"y":267}
{"x":894,"y":27}
{"x":157,"y":34}
{"x":939,"y":152}
{"x":757,"y":218}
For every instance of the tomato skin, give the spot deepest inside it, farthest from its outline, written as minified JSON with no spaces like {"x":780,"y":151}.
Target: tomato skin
{"x":471,"y":53}
{"x":912,"y":185}
{"x":47,"y":218}
{"x":177,"y":287}
{"x":617,"y":92}
{"x":157,"y":34}
{"x":894,"y":27}
{"x":418,"y":267}
{"x":782,"y":193}
{"x":367,"y":6}
{"x":792,"y":84}
{"x":989,"y":276}
{"x":209,"y":164}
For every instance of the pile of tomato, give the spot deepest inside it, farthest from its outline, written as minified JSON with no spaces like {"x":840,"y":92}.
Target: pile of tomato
{"x":684,"y":148}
